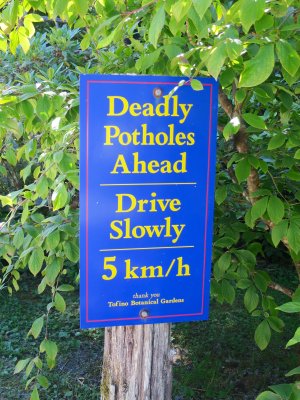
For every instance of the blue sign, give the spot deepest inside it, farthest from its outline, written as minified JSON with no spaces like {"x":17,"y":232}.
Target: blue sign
{"x":147,"y":167}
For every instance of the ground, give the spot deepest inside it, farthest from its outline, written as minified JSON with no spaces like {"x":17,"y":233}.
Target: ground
{"x":216,"y":359}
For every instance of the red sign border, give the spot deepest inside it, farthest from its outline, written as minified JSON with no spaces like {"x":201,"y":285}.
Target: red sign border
{"x":87,"y":203}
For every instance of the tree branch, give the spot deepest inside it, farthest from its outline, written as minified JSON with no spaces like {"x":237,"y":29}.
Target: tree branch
{"x":282,"y":289}
{"x":139,"y":9}
{"x":225,"y":103}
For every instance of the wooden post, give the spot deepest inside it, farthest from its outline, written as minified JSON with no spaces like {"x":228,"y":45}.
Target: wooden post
{"x":137,"y":363}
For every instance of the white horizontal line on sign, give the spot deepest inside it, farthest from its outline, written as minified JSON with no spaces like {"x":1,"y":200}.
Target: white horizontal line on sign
{"x":148,"y":184}
{"x":151,"y":248}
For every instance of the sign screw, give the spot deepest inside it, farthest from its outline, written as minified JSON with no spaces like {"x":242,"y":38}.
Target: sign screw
{"x":157,"y":92}
{"x":144,"y":314}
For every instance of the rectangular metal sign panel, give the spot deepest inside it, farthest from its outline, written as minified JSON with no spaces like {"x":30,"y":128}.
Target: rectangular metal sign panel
{"x":147,"y":166}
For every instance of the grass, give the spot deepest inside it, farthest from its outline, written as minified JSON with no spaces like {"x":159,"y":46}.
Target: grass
{"x":78,"y":370}
{"x":220,"y":359}
{"x":217,"y":359}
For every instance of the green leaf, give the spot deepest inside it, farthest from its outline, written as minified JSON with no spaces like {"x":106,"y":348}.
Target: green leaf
{"x":31,"y":145}
{"x":201,"y":6}
{"x":295,"y":339}
{"x":234,"y":48}
{"x":43,"y":381}
{"x":172,"y":50}
{"x":295,"y":371}
{"x":36,"y":327}
{"x":246,"y":258}
{"x":35,"y":17}
{"x":259,"y":208}
{"x":3,"y":170}
{"x":275,"y":209}
{"x":288,"y":56}
{"x":38,"y":362}
{"x":3,"y":45}
{"x":86,"y":41}
{"x":293,"y":236}
{"x":255,"y":162}
{"x":254,"y":120}
{"x":225,"y":241}
{"x":82,"y":7}
{"x":72,"y":251}
{"x":251,"y":299}
{"x":267,"y":395}
{"x":50,"y":348}
{"x":221,"y":194}
{"x":35,"y":394}
{"x":14,"y":41}
{"x":228,"y":292}
{"x":23,"y":39}
{"x":106,"y":41}
{"x":290,"y":307}
{"x":25,"y":213}
{"x":231,"y":128}
{"x":21,"y":364}
{"x":59,"y":197}
{"x":224,"y":261}
{"x":266,"y":22}
{"x":196,"y":84}
{"x":36,"y":261}
{"x":18,"y":238}
{"x":65,"y":288}
{"x":297,"y":155}
{"x":216,"y":59}
{"x":240,"y":95}
{"x":43,"y":107}
{"x":42,"y":187}
{"x":276,"y":324}
{"x":279,"y":231}
{"x":28,"y":382}
{"x":293,"y":175}
{"x":243,"y":283}
{"x":242,"y":170}
{"x":276,"y":141}
{"x":10,"y":156}
{"x":261,"y":282}
{"x":42,"y":286}
{"x":251,"y":11}
{"x":147,"y":60}
{"x":25,"y":173}
{"x":59,"y":303}
{"x":296,"y":294}
{"x":60,"y":6}
{"x":180,"y":8}
{"x":156,"y":26}
{"x":12,"y":12}
{"x":29,"y":368}
{"x":7,"y":99}
{"x":6,"y":201}
{"x":284,"y":390}
{"x":263,"y":166}
{"x":53,"y":270}
{"x":262,"y":62}
{"x":262,"y":335}
{"x":52,"y":240}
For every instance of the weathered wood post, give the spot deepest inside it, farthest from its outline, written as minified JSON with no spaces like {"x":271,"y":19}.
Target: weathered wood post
{"x":137,"y":363}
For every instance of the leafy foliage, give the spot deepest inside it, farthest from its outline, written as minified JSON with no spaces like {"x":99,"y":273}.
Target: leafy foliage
{"x":250,"y":45}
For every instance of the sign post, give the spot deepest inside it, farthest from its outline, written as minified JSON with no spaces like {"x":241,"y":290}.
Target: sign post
{"x":147,"y":192}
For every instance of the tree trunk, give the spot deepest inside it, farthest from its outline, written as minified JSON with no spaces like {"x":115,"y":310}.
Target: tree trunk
{"x":137,"y":363}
